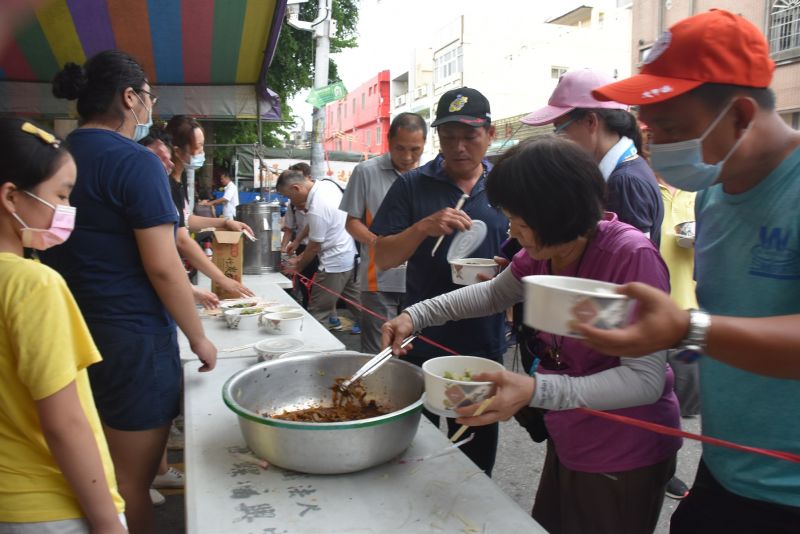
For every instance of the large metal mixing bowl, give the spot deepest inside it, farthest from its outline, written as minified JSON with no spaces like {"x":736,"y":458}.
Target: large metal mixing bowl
{"x":324,"y":448}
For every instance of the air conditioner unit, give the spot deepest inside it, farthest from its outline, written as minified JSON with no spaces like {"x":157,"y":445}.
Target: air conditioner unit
{"x":422,"y":90}
{"x":400,"y":101}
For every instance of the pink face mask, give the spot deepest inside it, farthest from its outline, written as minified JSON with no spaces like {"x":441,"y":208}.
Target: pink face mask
{"x":60,"y":227}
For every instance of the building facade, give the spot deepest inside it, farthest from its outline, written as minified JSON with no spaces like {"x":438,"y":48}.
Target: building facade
{"x":779,"y":20}
{"x":360,"y":121}
{"x":514,"y":60}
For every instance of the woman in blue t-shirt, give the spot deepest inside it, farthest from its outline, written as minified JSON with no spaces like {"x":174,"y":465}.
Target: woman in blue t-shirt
{"x":122,"y":265}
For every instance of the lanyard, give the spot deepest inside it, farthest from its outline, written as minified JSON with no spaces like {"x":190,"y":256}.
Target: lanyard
{"x":627,"y":154}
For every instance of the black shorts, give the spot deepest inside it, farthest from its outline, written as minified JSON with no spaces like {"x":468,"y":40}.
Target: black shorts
{"x":137,"y":386}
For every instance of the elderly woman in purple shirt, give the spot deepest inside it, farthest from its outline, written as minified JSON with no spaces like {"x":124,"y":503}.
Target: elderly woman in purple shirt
{"x":599,"y":475}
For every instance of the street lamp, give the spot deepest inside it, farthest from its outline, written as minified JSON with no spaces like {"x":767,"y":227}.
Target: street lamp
{"x":321,"y":26}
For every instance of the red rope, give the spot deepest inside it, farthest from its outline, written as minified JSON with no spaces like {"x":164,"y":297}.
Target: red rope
{"x":638,"y":423}
{"x":669,"y":431}
{"x":304,"y":279}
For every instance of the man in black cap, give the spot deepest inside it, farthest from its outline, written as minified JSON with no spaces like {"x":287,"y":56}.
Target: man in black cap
{"x":419,"y":208}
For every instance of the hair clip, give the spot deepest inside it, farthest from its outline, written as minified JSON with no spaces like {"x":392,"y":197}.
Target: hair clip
{"x":47,"y":137}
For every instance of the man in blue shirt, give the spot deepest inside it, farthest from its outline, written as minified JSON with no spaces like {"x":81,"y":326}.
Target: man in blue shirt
{"x":704,"y":92}
{"x":419,"y":208}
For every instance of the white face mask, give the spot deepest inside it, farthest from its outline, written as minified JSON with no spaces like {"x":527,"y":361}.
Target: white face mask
{"x":196,"y":161}
{"x":142,"y":129}
{"x":681,"y":164}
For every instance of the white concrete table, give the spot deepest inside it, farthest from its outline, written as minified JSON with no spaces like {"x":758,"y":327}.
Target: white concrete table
{"x":314,"y":335}
{"x":226,"y":494}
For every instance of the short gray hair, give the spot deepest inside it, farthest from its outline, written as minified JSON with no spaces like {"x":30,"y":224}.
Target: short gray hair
{"x":288,"y":178}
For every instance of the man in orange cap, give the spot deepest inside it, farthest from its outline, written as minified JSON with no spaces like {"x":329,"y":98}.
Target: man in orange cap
{"x":704,"y":92}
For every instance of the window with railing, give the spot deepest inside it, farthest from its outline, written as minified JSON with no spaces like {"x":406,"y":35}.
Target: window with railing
{"x":448,"y":64}
{"x":784,"y":29}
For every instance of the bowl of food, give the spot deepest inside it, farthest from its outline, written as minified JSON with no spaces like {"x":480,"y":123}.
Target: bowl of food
{"x":465,"y":271}
{"x":275,"y":347}
{"x":555,"y":304}
{"x":289,"y":322}
{"x":449,"y":384}
{"x":288,"y":413}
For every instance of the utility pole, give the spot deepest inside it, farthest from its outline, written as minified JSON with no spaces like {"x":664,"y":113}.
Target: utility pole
{"x":321,"y":26}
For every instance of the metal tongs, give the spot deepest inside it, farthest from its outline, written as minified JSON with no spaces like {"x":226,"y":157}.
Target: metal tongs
{"x":372,"y":365}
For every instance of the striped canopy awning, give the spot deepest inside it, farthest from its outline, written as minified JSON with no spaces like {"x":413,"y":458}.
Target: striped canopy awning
{"x":204,"y":57}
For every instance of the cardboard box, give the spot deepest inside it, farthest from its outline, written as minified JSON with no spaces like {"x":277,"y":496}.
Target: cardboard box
{"x":228,"y":256}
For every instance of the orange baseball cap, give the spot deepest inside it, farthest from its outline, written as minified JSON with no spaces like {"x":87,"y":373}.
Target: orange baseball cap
{"x":712,"y":47}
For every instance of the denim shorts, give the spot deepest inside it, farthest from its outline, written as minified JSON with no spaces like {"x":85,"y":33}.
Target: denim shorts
{"x":137,"y":386}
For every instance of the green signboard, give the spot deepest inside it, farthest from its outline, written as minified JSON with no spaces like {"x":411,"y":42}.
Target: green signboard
{"x":325,"y":95}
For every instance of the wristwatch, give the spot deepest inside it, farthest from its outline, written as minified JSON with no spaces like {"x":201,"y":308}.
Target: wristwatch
{"x":694,"y":344}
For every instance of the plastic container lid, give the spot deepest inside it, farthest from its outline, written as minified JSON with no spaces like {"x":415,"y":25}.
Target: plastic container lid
{"x":466,"y":242}
{"x":280,"y":345}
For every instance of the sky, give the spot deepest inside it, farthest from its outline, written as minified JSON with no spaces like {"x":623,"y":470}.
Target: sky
{"x":389,"y":29}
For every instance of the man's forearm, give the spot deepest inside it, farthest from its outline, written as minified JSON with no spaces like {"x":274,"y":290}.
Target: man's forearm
{"x":308,"y":255}
{"x":359,"y":231}
{"x":393,"y":250}
{"x":767,"y":345}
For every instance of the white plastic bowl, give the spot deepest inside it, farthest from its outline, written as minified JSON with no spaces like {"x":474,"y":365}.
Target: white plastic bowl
{"x":465,"y":271}
{"x":283,"y":322}
{"x":442,"y":395}
{"x":235,"y":317}
{"x":277,"y":308}
{"x":554,"y":303}
{"x":275,"y":347}
{"x":684,"y":233}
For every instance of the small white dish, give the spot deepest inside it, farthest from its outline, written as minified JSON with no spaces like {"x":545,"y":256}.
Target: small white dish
{"x":465,"y":271}
{"x":555,"y":303}
{"x":282,"y":322}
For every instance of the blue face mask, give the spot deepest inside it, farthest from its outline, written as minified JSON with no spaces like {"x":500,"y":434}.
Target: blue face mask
{"x":559,"y":130}
{"x":681,"y":164}
{"x":141,"y":130}
{"x":196,"y":161}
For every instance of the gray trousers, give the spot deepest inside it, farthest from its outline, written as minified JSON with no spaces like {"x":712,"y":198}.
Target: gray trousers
{"x":322,"y":302}
{"x":383,"y":303}
{"x":687,"y":384}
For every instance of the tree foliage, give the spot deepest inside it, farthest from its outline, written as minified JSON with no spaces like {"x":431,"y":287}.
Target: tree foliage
{"x":292,"y":70}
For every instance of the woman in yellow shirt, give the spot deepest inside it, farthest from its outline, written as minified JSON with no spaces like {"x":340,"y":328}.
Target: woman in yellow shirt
{"x":56,"y":474}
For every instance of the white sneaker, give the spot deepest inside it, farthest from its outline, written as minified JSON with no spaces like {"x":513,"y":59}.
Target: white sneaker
{"x":173,"y":478}
{"x":157,"y":498}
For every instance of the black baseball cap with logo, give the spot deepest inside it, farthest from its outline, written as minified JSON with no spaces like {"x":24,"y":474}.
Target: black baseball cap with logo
{"x":465,"y":106}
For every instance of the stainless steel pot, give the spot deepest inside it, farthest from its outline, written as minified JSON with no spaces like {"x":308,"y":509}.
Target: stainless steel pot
{"x":263,"y":255}
{"x":324,"y":448}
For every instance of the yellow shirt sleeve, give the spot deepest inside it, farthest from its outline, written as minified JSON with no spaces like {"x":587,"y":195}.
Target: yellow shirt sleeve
{"x":50,"y":338}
